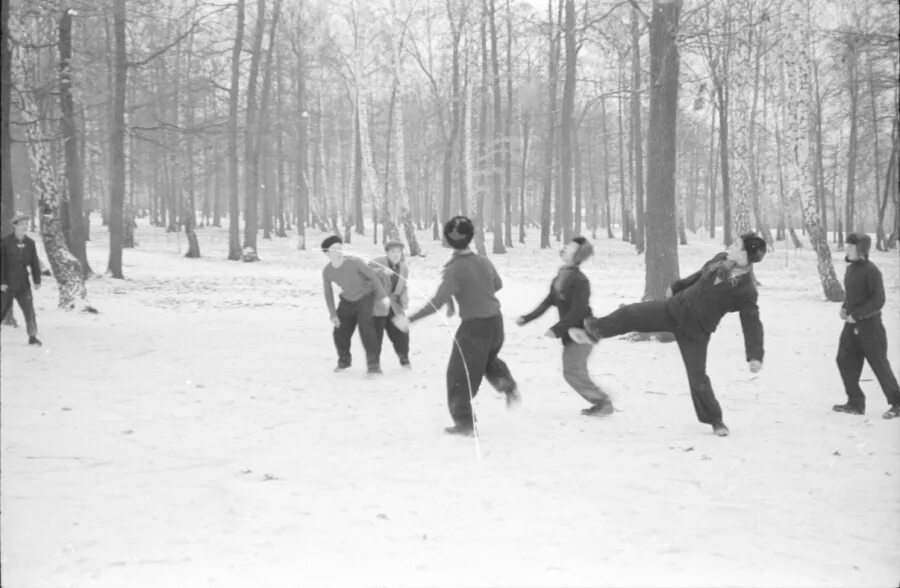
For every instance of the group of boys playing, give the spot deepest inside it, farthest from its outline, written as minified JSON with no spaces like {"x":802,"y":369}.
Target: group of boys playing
{"x":376,"y":299}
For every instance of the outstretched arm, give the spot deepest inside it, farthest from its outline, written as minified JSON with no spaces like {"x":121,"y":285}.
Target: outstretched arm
{"x":440,"y":298}
{"x":753,"y":330}
{"x":541,"y":308}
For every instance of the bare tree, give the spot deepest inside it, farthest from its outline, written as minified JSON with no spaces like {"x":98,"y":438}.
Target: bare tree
{"x":234,"y":235}
{"x":662,"y":253}
{"x":797,"y":60}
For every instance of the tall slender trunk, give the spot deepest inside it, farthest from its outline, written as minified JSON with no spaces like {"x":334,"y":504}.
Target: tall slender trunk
{"x":499,"y":189}
{"x":636,"y":133}
{"x":852,"y":148}
{"x":7,"y":201}
{"x":526,"y":132}
{"x":117,"y":145}
{"x":234,"y":234}
{"x":507,"y":134}
{"x":798,"y":105}
{"x":662,"y":253}
{"x":251,"y":143}
{"x":550,"y":144}
{"x":604,"y":144}
{"x":74,"y":176}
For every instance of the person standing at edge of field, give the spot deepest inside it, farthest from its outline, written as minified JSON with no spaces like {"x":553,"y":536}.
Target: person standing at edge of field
{"x":692,"y":311}
{"x":394,"y":273}
{"x":570,"y":293}
{"x":473,"y":281}
{"x":18,"y":254}
{"x":360,"y":287}
{"x":863,"y":336}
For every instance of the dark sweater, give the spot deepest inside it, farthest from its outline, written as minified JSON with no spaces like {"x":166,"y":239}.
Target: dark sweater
{"x":472,"y":280}
{"x":16,"y":257}
{"x":356,"y":280}
{"x":700,"y":300}
{"x":570,"y":293}
{"x":865,"y":290}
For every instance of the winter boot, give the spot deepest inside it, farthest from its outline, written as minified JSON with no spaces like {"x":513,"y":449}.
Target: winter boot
{"x":720,"y":430}
{"x":892,"y":413}
{"x":602,"y":408}
{"x":463,"y":431}
{"x":849,"y":408}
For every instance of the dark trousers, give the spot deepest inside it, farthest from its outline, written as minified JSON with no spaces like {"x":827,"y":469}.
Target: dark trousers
{"x":653,"y":316}
{"x":575,"y":371}
{"x":865,"y":340}
{"x":474,"y":357}
{"x":352,"y":314}
{"x":399,"y":339}
{"x":26,"y":303}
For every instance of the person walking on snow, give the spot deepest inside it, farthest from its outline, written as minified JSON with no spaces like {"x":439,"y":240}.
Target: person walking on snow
{"x":18,"y":254}
{"x":473,"y":281}
{"x":360,"y":287}
{"x":393,"y":273}
{"x":692,"y":311}
{"x":863,"y":336}
{"x":570,"y":293}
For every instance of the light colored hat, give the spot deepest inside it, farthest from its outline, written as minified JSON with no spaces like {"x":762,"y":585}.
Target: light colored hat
{"x":19,"y":217}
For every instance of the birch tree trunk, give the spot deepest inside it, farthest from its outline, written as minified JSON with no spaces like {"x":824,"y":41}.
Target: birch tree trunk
{"x":799,"y":99}
{"x":400,"y":129}
{"x":739,"y":149}
{"x":66,"y":268}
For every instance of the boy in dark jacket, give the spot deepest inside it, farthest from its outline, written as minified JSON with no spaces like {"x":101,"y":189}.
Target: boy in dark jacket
{"x":692,"y":312}
{"x":393,"y":273}
{"x":360,"y":287}
{"x":863,"y":336}
{"x":473,"y":281}
{"x":570,"y":293}
{"x":18,"y":254}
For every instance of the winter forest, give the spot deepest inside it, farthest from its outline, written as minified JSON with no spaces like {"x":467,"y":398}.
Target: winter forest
{"x":182,"y":160}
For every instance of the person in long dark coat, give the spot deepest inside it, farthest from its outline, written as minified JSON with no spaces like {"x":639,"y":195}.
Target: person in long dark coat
{"x":18,"y":257}
{"x":692,"y":311}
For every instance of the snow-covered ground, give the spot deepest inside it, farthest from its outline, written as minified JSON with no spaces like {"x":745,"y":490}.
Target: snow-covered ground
{"x":193,"y":434}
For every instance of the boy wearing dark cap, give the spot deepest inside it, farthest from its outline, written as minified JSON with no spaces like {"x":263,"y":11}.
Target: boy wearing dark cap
{"x":863,"y":336}
{"x":473,"y":281}
{"x":692,"y":311}
{"x":359,"y":289}
{"x":570,"y":293}
{"x":18,"y":255}
{"x":393,"y":273}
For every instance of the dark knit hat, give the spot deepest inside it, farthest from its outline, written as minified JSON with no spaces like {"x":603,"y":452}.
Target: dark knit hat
{"x":862,"y":241}
{"x":329,"y":241}
{"x":458,"y":232}
{"x":584,"y":251}
{"x":392,"y":244}
{"x":755,"y":246}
